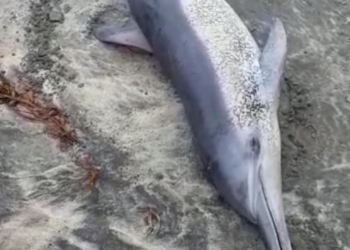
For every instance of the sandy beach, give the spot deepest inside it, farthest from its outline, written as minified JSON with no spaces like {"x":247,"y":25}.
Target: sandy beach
{"x":132,"y":123}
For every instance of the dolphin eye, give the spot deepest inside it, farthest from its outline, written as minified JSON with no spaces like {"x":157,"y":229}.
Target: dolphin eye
{"x":255,"y":145}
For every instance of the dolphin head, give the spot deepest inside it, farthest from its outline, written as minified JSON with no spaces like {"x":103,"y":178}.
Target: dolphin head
{"x":246,"y":172}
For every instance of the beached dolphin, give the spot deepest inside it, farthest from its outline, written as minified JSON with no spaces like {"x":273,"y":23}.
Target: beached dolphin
{"x":230,"y":90}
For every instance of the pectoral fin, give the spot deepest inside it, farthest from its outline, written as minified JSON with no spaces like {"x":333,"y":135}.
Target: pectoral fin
{"x":272,"y":60}
{"x":130,"y":36}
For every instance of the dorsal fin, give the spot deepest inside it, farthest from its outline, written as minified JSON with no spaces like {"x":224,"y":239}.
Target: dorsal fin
{"x":272,"y":60}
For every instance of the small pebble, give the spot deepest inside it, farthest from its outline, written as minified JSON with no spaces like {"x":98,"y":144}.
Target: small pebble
{"x":56,"y":49}
{"x":56,"y":16}
{"x":13,"y":54}
{"x":70,"y":74}
{"x":159,"y":176}
{"x":17,"y":40}
{"x":81,"y":85}
{"x":66,"y":8}
{"x":42,"y":52}
{"x":62,"y":88}
{"x":348,"y":99}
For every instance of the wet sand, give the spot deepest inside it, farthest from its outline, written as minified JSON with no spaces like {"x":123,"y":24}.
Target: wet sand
{"x":134,"y":126}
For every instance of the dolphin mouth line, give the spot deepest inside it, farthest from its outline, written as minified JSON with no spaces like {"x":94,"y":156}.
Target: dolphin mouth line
{"x":270,"y":213}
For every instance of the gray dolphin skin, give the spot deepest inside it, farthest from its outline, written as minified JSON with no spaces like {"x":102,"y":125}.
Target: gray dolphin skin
{"x":230,"y":91}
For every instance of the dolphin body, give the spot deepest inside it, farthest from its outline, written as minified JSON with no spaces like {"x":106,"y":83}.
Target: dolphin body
{"x":230,"y":90}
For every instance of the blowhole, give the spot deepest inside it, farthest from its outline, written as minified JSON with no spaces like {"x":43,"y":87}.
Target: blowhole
{"x":255,"y":145}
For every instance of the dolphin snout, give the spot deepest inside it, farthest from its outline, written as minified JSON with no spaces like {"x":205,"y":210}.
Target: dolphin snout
{"x":271,"y":224}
